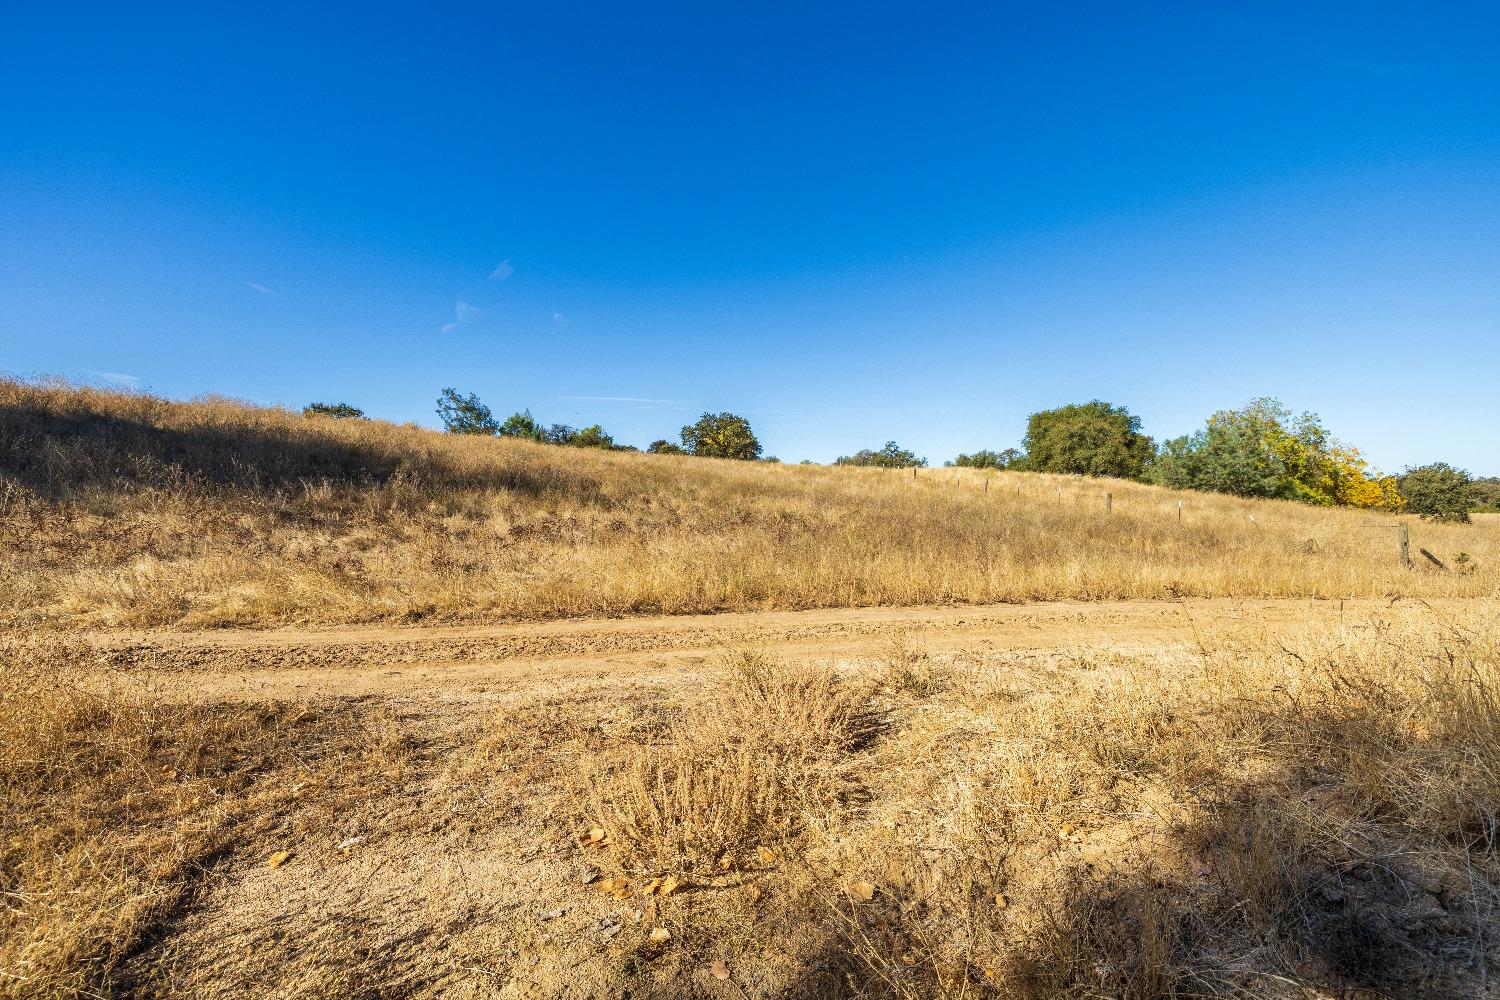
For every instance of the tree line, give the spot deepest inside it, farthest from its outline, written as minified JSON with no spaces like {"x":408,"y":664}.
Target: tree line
{"x":714,"y":435}
{"x":1259,"y":450}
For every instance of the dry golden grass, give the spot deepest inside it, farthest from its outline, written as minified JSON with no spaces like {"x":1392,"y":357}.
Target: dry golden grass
{"x":1289,"y":814}
{"x":1266,"y":818}
{"x":1297,"y":814}
{"x":114,"y":802}
{"x":127,"y":510}
{"x":733,"y":779}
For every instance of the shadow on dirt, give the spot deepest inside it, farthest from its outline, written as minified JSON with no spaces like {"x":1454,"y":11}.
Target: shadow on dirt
{"x":1268,"y":892}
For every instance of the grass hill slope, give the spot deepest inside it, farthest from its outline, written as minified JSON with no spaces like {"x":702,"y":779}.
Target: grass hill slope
{"x":129,"y":510}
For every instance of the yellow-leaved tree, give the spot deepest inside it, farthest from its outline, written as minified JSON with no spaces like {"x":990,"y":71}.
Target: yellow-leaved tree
{"x":1264,"y":450}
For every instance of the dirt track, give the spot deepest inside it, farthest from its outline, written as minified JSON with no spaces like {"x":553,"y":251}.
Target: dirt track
{"x":442,"y":869}
{"x":425,"y":662}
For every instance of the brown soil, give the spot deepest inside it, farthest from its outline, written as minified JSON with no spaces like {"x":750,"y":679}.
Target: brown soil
{"x":543,"y":658}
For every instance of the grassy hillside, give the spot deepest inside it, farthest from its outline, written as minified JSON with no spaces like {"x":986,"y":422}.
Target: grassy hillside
{"x":119,"y":509}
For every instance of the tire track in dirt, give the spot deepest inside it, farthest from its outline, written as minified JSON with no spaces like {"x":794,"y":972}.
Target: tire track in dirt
{"x":426,"y":662}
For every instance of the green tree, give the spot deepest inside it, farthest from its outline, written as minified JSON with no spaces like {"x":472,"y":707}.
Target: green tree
{"x":1221,"y":458}
{"x":662,"y":446}
{"x":1486,"y":494}
{"x":1088,"y":439}
{"x":1438,"y":492}
{"x":465,"y":414}
{"x":721,"y":435}
{"x":891,"y":456}
{"x":523,"y":425}
{"x":1010,"y":458}
{"x":1263,"y":450}
{"x":592,"y":437}
{"x":343,"y":410}
{"x":558,"y":434}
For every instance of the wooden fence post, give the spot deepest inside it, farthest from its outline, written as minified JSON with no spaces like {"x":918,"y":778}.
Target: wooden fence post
{"x":1403,"y":542}
{"x":986,"y":486}
{"x":1179,"y":512}
{"x":1109,"y":503}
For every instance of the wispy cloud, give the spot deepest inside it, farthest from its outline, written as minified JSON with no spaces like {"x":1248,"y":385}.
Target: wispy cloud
{"x":262,"y":289}
{"x":116,"y":378}
{"x":505,"y":270}
{"x":559,"y":321}
{"x":629,"y":399}
{"x":462,"y":313}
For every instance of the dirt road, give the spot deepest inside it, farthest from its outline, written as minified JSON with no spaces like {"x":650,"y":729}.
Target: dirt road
{"x":454,"y":661}
{"x":434,"y":854}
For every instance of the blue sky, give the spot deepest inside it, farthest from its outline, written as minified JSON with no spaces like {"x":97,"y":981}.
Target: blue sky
{"x":852,"y":224}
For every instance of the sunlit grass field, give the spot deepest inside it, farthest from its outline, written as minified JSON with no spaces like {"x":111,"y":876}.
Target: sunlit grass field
{"x":128,"y":510}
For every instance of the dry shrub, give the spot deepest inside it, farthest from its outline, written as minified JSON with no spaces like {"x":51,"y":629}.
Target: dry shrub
{"x":738,"y":796}
{"x":114,"y":800}
{"x":907,"y":667}
{"x":123,"y":509}
{"x":748,"y":772}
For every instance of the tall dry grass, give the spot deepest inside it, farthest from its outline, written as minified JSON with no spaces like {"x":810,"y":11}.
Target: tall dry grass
{"x":119,"y":509}
{"x":1270,"y":817}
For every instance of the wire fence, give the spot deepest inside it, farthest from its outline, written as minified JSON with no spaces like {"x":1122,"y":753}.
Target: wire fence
{"x":1402,"y":528}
